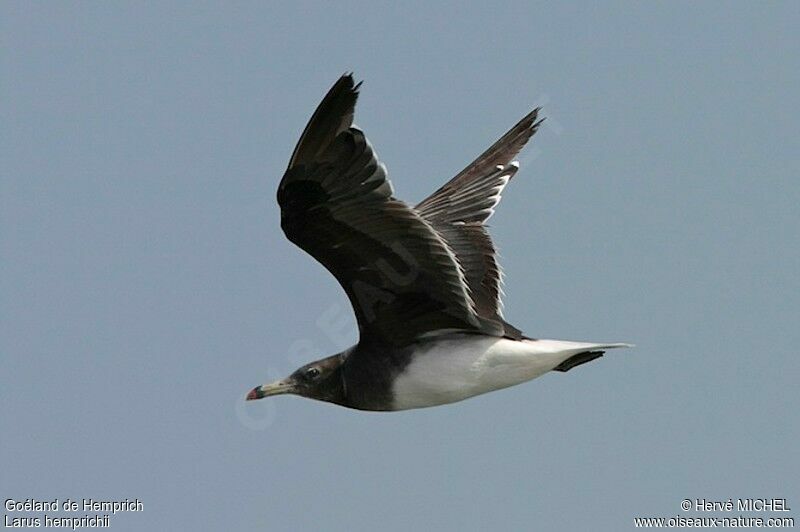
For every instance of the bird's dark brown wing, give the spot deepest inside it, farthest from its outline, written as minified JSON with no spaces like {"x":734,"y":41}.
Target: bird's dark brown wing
{"x":400,"y":275}
{"x":459,"y":209}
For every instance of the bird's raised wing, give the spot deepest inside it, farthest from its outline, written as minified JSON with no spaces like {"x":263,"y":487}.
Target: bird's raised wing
{"x":459,"y":209}
{"x":400,"y":275}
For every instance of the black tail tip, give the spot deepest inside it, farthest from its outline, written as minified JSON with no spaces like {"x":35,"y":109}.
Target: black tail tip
{"x":577,"y":360}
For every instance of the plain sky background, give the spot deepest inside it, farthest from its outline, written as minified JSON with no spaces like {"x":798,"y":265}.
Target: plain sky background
{"x":146,"y":285}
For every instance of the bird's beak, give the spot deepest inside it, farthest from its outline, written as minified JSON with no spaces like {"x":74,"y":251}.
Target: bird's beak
{"x":273,"y":388}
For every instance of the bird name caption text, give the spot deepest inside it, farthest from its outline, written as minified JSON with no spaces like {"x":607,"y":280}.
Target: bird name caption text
{"x":58,"y":513}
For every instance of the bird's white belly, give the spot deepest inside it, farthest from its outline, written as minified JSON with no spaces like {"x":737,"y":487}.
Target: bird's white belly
{"x":449,"y":370}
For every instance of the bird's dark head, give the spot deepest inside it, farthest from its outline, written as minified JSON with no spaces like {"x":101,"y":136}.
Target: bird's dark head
{"x":321,"y":380}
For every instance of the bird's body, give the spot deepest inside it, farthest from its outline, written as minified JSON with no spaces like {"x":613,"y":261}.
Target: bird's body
{"x":459,"y":366}
{"x":424,"y":282}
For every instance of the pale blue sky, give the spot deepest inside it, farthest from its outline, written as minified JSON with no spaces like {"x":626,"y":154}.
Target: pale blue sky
{"x":146,"y":285}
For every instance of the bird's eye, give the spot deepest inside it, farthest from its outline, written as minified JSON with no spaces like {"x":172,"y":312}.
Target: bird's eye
{"x":312,"y":373}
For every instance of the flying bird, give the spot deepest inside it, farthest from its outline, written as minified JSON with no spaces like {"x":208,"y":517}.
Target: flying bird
{"x":424,"y":281}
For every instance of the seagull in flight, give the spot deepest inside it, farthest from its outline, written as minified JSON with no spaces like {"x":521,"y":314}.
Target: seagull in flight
{"x":424,"y":281}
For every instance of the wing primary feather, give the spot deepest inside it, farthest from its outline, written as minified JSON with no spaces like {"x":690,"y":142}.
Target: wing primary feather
{"x":459,"y":209}
{"x":402,"y":277}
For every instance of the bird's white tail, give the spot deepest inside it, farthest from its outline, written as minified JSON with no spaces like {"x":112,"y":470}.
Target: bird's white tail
{"x":585,"y":352}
